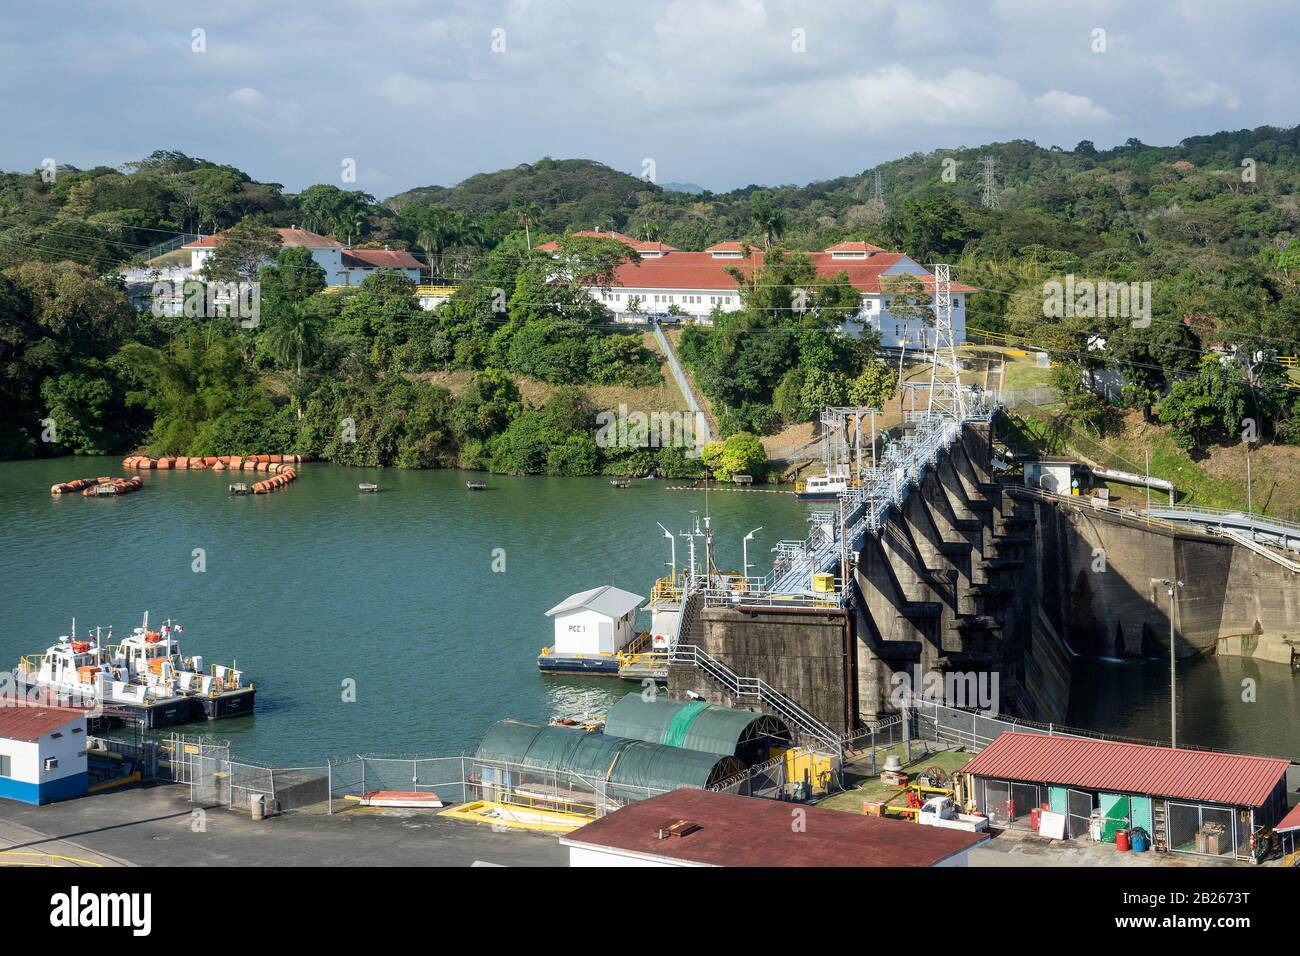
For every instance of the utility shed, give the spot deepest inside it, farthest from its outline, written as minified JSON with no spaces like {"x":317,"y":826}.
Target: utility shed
{"x":1187,"y":801}
{"x":705,"y":828}
{"x":42,"y":752}
{"x":598,"y":621}
{"x":696,"y":725}
{"x":629,"y":769}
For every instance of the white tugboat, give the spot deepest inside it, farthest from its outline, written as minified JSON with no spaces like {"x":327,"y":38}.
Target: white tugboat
{"x":145,"y":677}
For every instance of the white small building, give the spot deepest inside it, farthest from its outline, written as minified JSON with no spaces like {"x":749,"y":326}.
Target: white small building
{"x":1053,"y":475}
{"x":599,"y":621}
{"x":42,"y":752}
{"x":356,"y":264}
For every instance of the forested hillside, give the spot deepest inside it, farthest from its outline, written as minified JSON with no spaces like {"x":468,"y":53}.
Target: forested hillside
{"x":1211,"y":223}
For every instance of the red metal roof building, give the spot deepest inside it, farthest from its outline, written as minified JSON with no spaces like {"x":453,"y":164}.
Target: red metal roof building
{"x":30,"y":722}
{"x":1202,"y":775}
{"x":43,"y":753}
{"x":1186,"y":801}
{"x":723,"y":829}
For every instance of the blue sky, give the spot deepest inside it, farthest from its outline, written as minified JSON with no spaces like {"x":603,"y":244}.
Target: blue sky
{"x":717,"y":92}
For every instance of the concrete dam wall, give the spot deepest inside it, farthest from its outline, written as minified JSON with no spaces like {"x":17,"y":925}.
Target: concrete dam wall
{"x":1109,"y":599}
{"x":972,"y":580}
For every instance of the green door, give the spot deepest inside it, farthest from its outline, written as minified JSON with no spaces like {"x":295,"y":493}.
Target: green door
{"x":1115,"y":813}
{"x":1140,"y":811}
{"x":1057,"y":800}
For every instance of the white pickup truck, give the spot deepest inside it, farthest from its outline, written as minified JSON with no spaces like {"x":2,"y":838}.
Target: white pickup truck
{"x":942,"y":812}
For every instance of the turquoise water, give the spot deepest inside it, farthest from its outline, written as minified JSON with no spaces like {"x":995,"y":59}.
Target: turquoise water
{"x":319,"y":583}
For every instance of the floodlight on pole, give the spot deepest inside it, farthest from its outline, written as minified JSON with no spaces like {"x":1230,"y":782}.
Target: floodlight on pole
{"x":744,"y":551}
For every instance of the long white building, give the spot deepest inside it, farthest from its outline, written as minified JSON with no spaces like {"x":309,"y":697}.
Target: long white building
{"x":343,"y":266}
{"x":697,"y":283}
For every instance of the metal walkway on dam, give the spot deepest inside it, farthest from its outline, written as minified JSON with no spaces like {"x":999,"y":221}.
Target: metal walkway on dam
{"x":862,"y":509}
{"x":1253,"y":527}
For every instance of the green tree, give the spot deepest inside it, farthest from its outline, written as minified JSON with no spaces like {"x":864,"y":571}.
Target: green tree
{"x":875,"y":385}
{"x":740,"y":454}
{"x":295,"y":334}
{"x":242,"y":252}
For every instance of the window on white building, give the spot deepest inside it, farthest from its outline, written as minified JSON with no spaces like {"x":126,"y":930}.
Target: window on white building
{"x":5,"y":768}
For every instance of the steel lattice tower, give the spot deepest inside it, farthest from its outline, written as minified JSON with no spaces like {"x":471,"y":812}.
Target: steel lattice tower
{"x":990,"y":197}
{"x":946,"y":395}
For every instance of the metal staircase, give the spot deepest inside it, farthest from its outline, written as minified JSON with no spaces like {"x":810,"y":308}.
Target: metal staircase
{"x":755,"y":688}
{"x":683,"y":651}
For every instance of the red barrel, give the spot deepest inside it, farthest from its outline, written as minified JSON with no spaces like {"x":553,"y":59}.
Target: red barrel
{"x":1034,"y":815}
{"x":1121,"y":840}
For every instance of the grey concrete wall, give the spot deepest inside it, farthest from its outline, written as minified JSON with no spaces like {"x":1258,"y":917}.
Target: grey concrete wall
{"x":805,"y":655}
{"x":1124,"y":610}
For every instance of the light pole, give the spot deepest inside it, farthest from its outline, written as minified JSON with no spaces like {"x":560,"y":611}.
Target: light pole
{"x":669,"y":535}
{"x":744,"y":551}
{"x":1170,"y":587}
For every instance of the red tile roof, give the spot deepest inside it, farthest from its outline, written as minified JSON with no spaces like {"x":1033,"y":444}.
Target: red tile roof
{"x":20,"y":720}
{"x":380,"y":259}
{"x":749,"y":831}
{"x":1109,"y":765}
{"x":726,"y":247}
{"x":700,"y":270}
{"x":640,"y":245}
{"x":288,"y":239}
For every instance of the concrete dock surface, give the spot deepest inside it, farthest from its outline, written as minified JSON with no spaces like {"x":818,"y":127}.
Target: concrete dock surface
{"x":158,"y":826}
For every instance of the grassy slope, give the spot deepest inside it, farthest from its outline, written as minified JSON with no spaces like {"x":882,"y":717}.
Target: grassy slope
{"x":1215,"y":478}
{"x":663,"y":397}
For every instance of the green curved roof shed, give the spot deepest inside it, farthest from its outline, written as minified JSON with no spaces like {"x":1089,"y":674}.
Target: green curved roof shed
{"x":695,"y":725}
{"x":630,"y":768}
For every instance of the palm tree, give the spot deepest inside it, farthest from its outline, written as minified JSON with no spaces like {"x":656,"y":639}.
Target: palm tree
{"x":526,"y":214}
{"x":295,"y":334}
{"x":438,"y":228}
{"x":767,"y":216}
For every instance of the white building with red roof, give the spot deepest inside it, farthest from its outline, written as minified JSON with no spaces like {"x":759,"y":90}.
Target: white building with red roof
{"x":696,"y":284}
{"x":42,"y":751}
{"x":343,"y":266}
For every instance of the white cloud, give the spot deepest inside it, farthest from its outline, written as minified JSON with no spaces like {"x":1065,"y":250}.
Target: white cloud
{"x":403,"y":89}
{"x":248,"y":98}
{"x":1068,"y":107}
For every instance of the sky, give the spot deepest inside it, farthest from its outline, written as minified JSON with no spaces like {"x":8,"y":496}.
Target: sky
{"x":720,"y":93}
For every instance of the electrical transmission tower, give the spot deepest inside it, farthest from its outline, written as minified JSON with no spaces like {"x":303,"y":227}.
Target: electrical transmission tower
{"x":880,"y":191}
{"x":990,"y":197}
{"x":946,"y":395}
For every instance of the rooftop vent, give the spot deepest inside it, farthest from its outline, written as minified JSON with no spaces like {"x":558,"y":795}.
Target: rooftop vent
{"x":676,"y":828}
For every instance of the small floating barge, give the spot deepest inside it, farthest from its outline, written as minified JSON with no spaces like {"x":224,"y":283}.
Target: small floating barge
{"x":595,"y":634}
{"x":476,"y":485}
